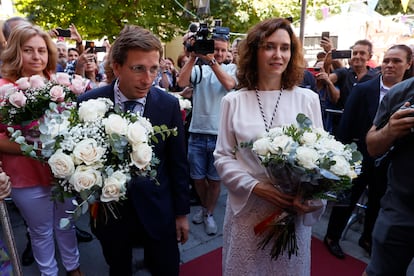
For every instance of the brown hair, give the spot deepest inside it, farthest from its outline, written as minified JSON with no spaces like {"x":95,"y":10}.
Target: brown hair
{"x":12,"y":55}
{"x":134,"y":37}
{"x":248,"y":48}
{"x":409,"y":56}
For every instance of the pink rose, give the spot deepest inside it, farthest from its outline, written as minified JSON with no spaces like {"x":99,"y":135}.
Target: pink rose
{"x":18,"y":99}
{"x":37,"y":81}
{"x":78,"y":86}
{"x":23,"y":83}
{"x":57,"y":94}
{"x":63,"y":79}
{"x":6,"y":90}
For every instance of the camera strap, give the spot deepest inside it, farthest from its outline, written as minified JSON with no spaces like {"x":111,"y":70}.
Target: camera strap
{"x":198,"y":80}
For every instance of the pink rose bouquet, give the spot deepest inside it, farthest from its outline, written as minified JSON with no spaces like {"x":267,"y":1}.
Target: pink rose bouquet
{"x":27,"y":100}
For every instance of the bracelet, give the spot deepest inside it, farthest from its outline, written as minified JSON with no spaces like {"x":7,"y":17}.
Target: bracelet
{"x":212,"y":62}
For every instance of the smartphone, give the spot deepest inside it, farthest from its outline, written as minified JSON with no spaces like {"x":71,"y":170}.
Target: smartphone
{"x":314,"y":70}
{"x":100,"y":49}
{"x":90,"y":45}
{"x":325,"y":35}
{"x":63,"y":32}
{"x":341,"y":54}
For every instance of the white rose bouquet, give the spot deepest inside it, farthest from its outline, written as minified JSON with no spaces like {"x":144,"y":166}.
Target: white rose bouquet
{"x":185,"y":104}
{"x":23,"y":103}
{"x":306,"y":160}
{"x":94,"y":152}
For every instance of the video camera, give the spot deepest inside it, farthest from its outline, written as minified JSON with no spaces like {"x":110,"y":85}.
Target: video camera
{"x":202,"y":44}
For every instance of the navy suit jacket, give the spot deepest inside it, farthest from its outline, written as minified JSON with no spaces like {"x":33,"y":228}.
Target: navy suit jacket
{"x":359,"y":114}
{"x":158,"y":205}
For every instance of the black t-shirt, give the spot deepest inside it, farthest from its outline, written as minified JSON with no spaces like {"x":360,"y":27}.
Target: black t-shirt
{"x":347,"y":78}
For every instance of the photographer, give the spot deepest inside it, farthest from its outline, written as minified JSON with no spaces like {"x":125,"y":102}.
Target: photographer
{"x":211,"y":80}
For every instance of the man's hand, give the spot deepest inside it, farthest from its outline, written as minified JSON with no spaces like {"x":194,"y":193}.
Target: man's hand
{"x":326,"y":44}
{"x":401,"y":122}
{"x":182,"y":228}
{"x":74,"y":34}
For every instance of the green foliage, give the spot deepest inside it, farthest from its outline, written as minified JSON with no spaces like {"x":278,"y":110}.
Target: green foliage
{"x":390,"y":7}
{"x":95,"y":19}
{"x":164,"y":132}
{"x":167,"y":19}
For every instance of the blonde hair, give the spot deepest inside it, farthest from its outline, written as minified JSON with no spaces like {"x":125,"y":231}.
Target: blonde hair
{"x":12,"y":55}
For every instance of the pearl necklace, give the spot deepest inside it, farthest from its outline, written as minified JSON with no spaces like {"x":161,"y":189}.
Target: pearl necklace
{"x":268,"y":126}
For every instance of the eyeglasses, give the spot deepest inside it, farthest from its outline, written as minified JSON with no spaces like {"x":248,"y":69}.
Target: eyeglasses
{"x":141,"y":69}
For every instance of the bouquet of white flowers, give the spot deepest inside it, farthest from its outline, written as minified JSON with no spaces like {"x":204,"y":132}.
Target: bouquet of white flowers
{"x":306,"y":160}
{"x":185,"y":104}
{"x":93,"y":152}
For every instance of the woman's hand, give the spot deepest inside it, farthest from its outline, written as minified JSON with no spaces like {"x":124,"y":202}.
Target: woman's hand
{"x":306,"y":206}
{"x":4,"y":184}
{"x":273,"y":195}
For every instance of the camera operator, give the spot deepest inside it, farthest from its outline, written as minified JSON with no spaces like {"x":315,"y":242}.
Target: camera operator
{"x":211,"y":80}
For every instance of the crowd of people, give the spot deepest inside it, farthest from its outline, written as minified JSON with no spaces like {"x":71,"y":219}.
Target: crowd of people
{"x":240,"y":90}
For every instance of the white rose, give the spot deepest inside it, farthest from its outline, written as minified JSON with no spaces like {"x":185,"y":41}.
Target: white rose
{"x":141,"y":155}
{"x":115,"y":124}
{"x":341,"y":166}
{"x":85,"y":178}
{"x":309,"y":138}
{"x":61,"y":164}
{"x":23,"y":83}
{"x":114,"y":187}
{"x":92,"y":110}
{"x":18,"y":99}
{"x":307,"y":157}
{"x":137,"y":133}
{"x":37,"y":81}
{"x":57,"y":94}
{"x":283,"y":142}
{"x":261,"y":146}
{"x":88,"y":152}
{"x":328,"y":144}
{"x":321,"y":132}
{"x":184,"y":104}
{"x":62,"y":78}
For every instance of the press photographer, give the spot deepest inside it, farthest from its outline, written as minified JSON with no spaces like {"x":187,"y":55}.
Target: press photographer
{"x":211,"y":80}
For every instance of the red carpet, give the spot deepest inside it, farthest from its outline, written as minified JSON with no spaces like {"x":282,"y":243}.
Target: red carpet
{"x":323,"y":264}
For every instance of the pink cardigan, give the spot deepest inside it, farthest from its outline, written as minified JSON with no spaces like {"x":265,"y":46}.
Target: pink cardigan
{"x":23,"y":171}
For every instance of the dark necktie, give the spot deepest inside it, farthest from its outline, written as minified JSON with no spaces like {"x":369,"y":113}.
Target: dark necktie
{"x":129,"y":105}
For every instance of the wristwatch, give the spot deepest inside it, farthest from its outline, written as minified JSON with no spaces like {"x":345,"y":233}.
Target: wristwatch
{"x":212,"y":62}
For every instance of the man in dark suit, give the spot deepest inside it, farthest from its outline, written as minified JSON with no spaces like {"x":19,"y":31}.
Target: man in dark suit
{"x":356,"y":120}
{"x":154,"y":214}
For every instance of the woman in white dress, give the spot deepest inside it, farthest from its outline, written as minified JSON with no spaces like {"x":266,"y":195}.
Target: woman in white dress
{"x":270,"y":65}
